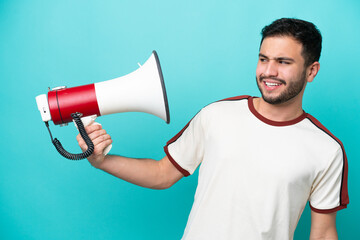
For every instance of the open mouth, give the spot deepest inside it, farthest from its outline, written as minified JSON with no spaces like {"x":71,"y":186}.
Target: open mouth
{"x":272,"y":85}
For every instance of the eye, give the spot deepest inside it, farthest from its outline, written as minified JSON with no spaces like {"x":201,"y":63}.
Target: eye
{"x":262,"y":59}
{"x":284,"y":62}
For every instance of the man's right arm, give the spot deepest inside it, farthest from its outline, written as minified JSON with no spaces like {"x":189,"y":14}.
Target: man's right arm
{"x":147,"y":173}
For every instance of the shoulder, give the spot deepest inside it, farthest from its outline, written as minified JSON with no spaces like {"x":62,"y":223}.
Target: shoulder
{"x":225,"y":103}
{"x":236,"y":98}
{"x":325,"y":134}
{"x":222,"y":111}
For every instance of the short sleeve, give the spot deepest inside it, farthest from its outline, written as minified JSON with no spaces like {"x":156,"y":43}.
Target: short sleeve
{"x":186,"y":149}
{"x":329,"y":192}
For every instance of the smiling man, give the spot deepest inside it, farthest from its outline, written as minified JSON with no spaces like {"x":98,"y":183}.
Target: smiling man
{"x":261,"y":158}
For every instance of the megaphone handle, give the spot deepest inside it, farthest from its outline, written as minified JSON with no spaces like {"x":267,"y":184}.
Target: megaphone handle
{"x":90,"y":120}
{"x":108,"y":148}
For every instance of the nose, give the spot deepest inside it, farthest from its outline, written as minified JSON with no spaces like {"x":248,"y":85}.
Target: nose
{"x":271,"y":69}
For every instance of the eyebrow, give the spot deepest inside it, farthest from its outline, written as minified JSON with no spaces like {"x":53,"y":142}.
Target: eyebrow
{"x":278,"y":59}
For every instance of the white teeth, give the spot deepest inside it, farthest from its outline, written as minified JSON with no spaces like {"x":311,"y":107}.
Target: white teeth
{"x":272,"y":84}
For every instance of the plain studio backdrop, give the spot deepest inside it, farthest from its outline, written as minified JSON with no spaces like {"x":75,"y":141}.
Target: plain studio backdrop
{"x":208,"y":51}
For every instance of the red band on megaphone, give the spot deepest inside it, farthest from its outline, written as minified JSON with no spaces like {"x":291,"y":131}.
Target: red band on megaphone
{"x":64,"y":102}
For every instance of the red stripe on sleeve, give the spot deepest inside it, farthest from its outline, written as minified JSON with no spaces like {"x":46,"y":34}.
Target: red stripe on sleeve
{"x":344,"y":196}
{"x":172,"y":160}
{"x":183,"y":171}
{"x":327,"y":210}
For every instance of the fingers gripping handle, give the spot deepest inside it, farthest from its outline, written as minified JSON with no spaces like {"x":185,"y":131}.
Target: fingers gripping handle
{"x":90,"y":120}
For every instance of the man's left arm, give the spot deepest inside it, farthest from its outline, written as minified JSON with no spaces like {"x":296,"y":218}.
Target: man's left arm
{"x":323,"y":226}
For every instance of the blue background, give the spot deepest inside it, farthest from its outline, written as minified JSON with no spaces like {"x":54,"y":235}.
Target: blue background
{"x":208,"y":51}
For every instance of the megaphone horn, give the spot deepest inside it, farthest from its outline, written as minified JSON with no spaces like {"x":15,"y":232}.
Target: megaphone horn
{"x":140,"y":91}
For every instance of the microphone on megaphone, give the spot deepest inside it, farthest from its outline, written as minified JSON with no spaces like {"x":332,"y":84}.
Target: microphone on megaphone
{"x":140,"y":91}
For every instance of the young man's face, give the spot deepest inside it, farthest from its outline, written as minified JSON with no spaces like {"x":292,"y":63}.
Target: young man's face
{"x":280,"y":72}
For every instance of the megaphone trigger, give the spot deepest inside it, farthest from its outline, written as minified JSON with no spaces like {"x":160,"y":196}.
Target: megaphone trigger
{"x":90,"y":120}
{"x":87,"y":120}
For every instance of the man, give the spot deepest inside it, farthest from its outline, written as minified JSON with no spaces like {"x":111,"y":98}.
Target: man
{"x":261,"y":158}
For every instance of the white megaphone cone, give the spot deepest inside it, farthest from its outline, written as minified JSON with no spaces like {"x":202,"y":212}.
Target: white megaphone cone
{"x":140,"y":91}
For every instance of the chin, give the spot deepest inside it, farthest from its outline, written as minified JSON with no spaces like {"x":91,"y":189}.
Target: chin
{"x":273,"y":100}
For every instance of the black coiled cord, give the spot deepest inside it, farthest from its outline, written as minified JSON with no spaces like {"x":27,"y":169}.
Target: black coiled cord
{"x":84,"y":135}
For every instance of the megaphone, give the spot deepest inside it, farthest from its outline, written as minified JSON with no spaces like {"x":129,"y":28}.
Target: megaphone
{"x":140,"y":91}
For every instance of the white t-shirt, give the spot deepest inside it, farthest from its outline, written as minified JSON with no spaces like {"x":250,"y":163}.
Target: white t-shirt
{"x":256,"y":175}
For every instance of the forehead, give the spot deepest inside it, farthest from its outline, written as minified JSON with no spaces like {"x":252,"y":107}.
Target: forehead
{"x":281,"y":46}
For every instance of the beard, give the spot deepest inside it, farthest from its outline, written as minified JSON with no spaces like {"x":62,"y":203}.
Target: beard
{"x":292,"y":90}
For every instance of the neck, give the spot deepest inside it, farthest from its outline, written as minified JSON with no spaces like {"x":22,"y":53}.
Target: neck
{"x":279,"y":112}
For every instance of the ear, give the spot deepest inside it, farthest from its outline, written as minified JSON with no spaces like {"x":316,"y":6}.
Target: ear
{"x":312,"y":71}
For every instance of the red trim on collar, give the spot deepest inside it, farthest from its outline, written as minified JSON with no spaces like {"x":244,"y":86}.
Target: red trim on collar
{"x":271,"y":122}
